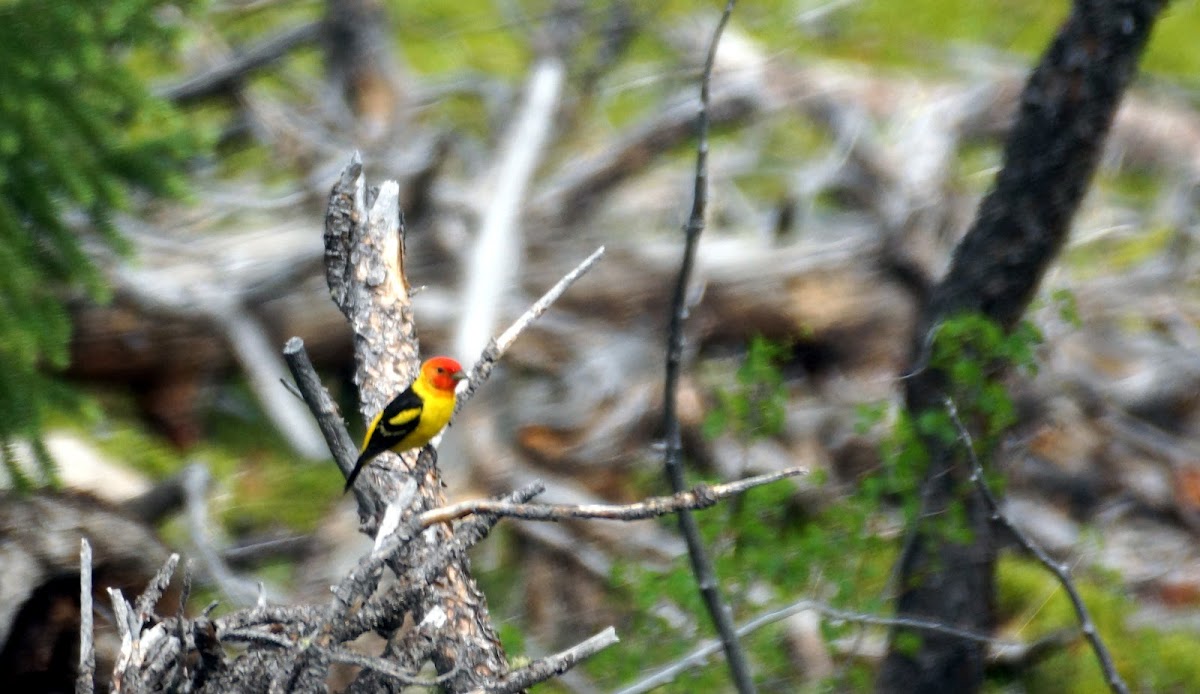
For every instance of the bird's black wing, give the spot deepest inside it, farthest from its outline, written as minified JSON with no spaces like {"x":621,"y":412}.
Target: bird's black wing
{"x":396,"y":421}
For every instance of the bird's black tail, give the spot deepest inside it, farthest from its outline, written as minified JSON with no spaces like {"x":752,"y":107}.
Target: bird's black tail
{"x":358,"y":466}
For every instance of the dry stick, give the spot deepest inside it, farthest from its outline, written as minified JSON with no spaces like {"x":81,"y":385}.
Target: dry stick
{"x":398,"y":597}
{"x":252,"y":348}
{"x":700,"y":497}
{"x":363,"y":579}
{"x":329,"y":419}
{"x":700,"y":656}
{"x":702,"y":567}
{"x":1060,"y":570}
{"x":183,"y":629}
{"x":359,"y":582}
{"x":130,"y":620}
{"x":544,"y":668}
{"x":154,"y":590}
{"x":87,"y":651}
{"x":224,"y":77}
{"x":497,"y":347}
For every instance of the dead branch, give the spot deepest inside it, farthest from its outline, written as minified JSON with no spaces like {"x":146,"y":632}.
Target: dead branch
{"x":700,"y":497}
{"x":573,"y":193}
{"x":497,"y":347}
{"x":220,"y":307}
{"x":84,"y":683}
{"x":239,"y":590}
{"x":329,"y":419}
{"x":147,"y":656}
{"x":551,"y":666}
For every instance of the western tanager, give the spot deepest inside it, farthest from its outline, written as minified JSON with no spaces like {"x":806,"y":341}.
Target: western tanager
{"x":413,"y":417}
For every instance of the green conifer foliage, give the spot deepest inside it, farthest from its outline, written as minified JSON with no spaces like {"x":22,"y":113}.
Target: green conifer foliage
{"x":79,"y":131}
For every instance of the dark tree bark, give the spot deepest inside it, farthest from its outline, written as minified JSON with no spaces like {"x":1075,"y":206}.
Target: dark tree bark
{"x":1049,"y":159}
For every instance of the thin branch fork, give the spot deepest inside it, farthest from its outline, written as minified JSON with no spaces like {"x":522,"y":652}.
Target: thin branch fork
{"x":700,"y":497}
{"x":1061,"y":571}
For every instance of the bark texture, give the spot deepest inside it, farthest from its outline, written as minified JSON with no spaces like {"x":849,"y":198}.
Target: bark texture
{"x":365,"y":270}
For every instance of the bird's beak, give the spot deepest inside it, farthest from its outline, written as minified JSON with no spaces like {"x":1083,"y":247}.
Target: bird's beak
{"x":459,"y":375}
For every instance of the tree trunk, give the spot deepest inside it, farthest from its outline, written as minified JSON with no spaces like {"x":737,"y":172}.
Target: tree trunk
{"x":1049,"y":158}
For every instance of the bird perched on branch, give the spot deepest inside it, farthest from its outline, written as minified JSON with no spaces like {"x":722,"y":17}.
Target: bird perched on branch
{"x":413,"y":417}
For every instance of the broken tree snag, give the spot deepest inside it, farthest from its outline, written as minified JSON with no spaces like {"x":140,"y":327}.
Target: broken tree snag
{"x":364,"y":268}
{"x":1065,"y":113}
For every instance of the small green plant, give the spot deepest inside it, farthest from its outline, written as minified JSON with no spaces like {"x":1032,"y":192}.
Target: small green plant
{"x":755,"y":407}
{"x":1064,"y":301}
{"x":975,"y":353}
{"x":768,"y":549}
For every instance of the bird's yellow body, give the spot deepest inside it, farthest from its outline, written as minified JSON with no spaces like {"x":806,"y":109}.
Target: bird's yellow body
{"x":414,"y":417}
{"x":432,"y":415}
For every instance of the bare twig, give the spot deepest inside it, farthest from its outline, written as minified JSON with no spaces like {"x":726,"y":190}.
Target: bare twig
{"x":545,"y":668}
{"x":357,"y":585}
{"x":154,"y":589}
{"x":364,"y":579}
{"x":1060,"y":570}
{"x":700,"y":497}
{"x":163,"y":499}
{"x":256,"y":636}
{"x":700,"y":656}
{"x":497,"y":347}
{"x":339,"y":655}
{"x":702,"y":567}
{"x":183,"y":626}
{"x":329,"y":419}
{"x":84,"y":683}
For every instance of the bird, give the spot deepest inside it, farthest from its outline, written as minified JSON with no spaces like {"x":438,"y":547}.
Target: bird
{"x":413,"y":417}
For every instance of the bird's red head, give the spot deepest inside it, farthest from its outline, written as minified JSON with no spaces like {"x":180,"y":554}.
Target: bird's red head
{"x":443,"y":373}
